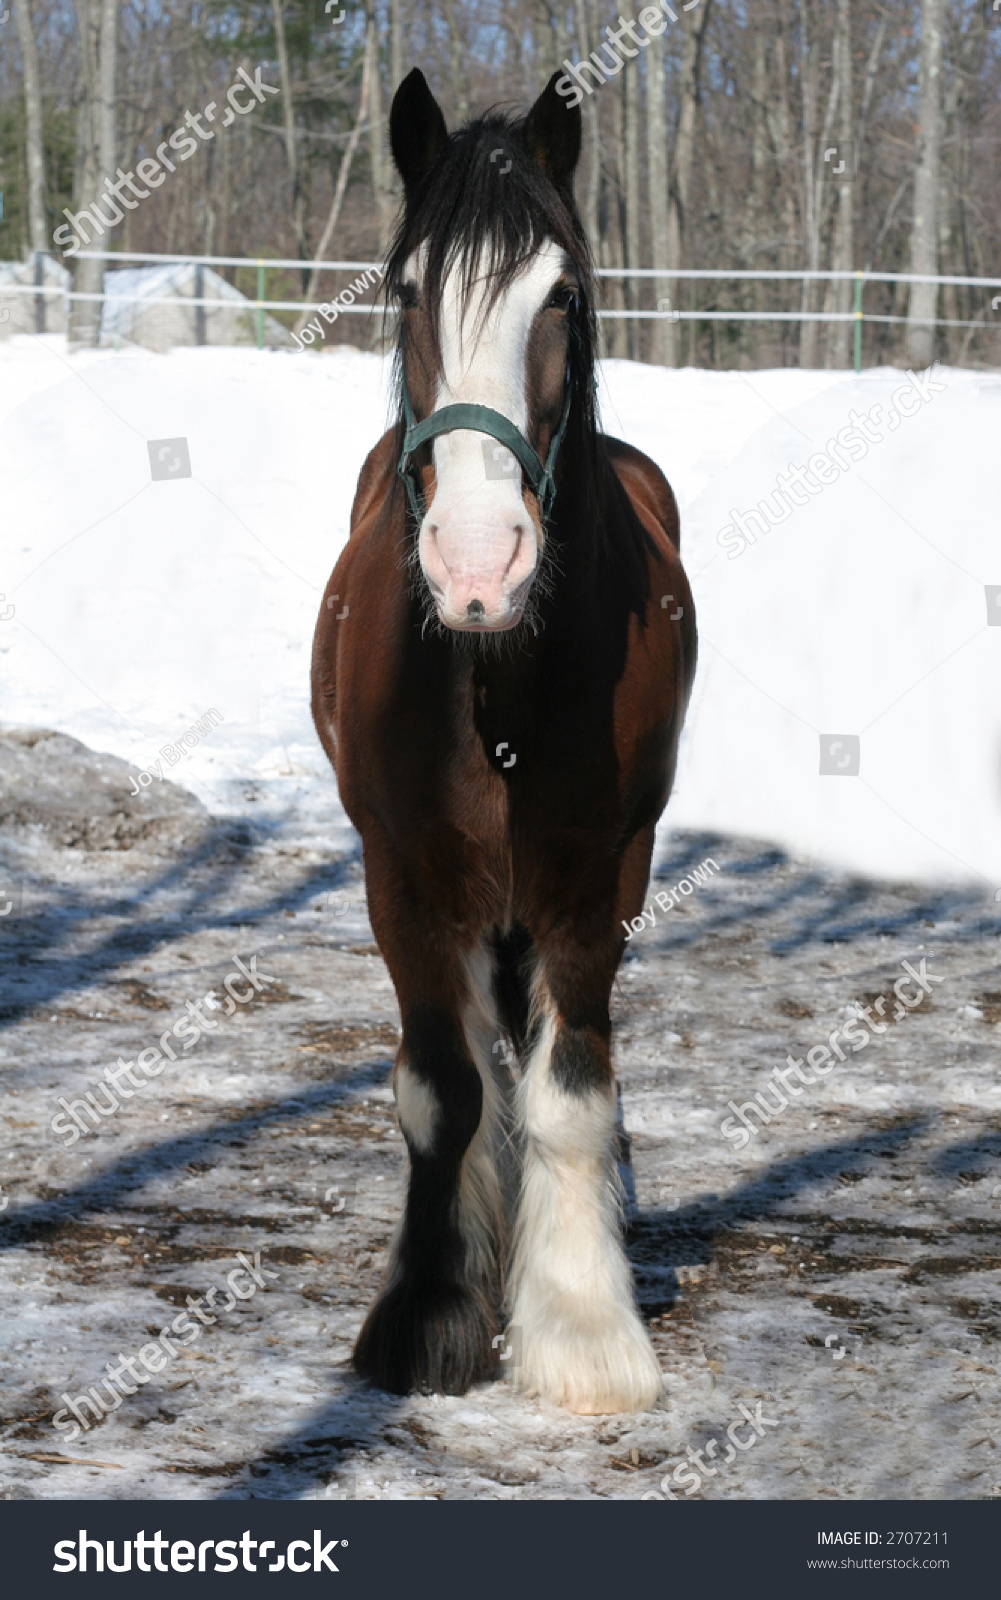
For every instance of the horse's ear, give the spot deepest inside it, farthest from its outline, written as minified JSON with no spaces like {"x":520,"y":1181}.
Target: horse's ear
{"x":417,"y":131}
{"x":552,"y":134}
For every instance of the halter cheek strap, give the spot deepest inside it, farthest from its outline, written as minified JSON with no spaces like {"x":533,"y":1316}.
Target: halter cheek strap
{"x":481,"y":419}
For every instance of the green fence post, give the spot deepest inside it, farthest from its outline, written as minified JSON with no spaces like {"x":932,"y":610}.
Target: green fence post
{"x":858,"y":322}
{"x":260,"y":312}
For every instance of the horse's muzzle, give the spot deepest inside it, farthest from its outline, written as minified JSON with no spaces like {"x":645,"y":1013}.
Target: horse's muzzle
{"x":479,"y":573}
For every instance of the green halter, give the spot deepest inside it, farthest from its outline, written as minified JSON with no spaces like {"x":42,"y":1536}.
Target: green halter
{"x":481,"y":419}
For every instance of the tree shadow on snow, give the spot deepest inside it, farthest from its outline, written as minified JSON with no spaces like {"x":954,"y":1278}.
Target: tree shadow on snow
{"x":658,"y":1241}
{"x":824,"y":908}
{"x":225,"y":853}
{"x":119,"y":1183}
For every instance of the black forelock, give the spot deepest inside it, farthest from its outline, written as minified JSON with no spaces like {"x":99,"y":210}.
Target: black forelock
{"x":470,"y":211}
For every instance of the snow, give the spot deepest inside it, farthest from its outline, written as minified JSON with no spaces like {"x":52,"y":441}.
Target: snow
{"x":868,"y":1212}
{"x":140,"y":604}
{"x":864,"y":1217}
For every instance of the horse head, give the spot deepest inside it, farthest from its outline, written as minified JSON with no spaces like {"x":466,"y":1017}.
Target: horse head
{"x":491,"y":275}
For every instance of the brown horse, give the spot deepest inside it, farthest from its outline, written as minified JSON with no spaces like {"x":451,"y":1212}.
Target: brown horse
{"x":500,"y":673}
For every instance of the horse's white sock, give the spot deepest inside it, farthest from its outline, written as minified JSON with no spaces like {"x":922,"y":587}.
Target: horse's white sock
{"x":579,"y":1336}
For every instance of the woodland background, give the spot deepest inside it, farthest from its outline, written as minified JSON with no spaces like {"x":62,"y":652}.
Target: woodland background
{"x":705,"y":151}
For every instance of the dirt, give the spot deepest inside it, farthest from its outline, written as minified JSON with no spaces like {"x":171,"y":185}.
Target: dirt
{"x":841,"y":1271}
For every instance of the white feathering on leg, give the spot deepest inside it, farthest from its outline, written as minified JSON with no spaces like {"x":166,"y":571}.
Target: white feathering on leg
{"x":581,"y":1340}
{"x":481,"y":1206}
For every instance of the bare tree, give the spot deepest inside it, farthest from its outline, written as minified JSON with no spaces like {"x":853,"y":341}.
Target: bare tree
{"x":97,"y":38}
{"x":382,"y":186}
{"x":561,"y":34}
{"x":611,"y":233}
{"x":757,"y":197}
{"x":35,"y":148}
{"x":631,"y":203}
{"x":542,"y":44}
{"x":457,"y":60}
{"x":839,"y":337}
{"x":783,"y":138}
{"x":397,"y":67}
{"x":33,"y":118}
{"x":815,"y":168}
{"x":344,"y":171}
{"x":924,"y":220}
{"x":683,"y":155}
{"x":744,"y":147}
{"x":291,"y":154}
{"x":656,"y":144}
{"x":583,"y":16}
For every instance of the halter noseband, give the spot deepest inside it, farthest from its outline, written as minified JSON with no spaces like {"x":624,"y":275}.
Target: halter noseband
{"x":481,"y":419}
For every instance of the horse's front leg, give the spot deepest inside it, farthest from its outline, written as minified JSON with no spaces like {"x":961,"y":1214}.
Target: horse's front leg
{"x":432,"y":1327}
{"x":582,"y":1342}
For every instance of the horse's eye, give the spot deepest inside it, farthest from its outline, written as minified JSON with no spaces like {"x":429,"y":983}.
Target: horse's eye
{"x":564,"y":298}
{"x":405,"y":295}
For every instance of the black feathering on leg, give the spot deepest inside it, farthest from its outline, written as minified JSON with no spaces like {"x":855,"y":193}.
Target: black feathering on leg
{"x":432,"y":1326}
{"x":427,"y":1339}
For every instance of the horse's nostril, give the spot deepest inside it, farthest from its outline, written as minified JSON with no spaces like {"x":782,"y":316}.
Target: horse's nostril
{"x":475,"y":610}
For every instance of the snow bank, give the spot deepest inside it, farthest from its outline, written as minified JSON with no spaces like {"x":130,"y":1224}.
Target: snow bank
{"x":139,"y":605}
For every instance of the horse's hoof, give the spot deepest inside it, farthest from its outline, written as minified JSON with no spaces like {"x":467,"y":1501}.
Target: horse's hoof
{"x":427,"y":1340}
{"x":595,"y":1371}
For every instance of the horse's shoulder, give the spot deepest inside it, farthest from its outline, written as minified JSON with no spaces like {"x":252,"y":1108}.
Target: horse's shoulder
{"x":375,"y":479}
{"x":646,"y":486}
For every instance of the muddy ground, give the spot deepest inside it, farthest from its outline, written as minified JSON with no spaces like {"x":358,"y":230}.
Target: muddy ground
{"x":841,"y":1272}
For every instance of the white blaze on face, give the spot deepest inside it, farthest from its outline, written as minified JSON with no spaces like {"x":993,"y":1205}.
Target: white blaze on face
{"x":479,"y":546}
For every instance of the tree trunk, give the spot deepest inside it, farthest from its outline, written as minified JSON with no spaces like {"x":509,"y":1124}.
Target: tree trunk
{"x":344,"y":172}
{"x":561,"y":38}
{"x":757,"y":207}
{"x":840,"y":334}
{"x":397,"y":60}
{"x":397,"y":73}
{"x":815,"y":173}
{"x":456,"y":54}
{"x":656,"y":145}
{"x":924,"y":225}
{"x":682,"y":157}
{"x":631,"y":200}
{"x":291,"y":155}
{"x":385,"y":204}
{"x":947,"y":263}
{"x":226,"y":203}
{"x":97,"y":31}
{"x":543,"y":65}
{"x":612,"y":238}
{"x":780,"y":123}
{"x":33,"y":115}
{"x":36,"y":153}
{"x":871,"y":68}
{"x":592,"y":133}
{"x":549,"y":30}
